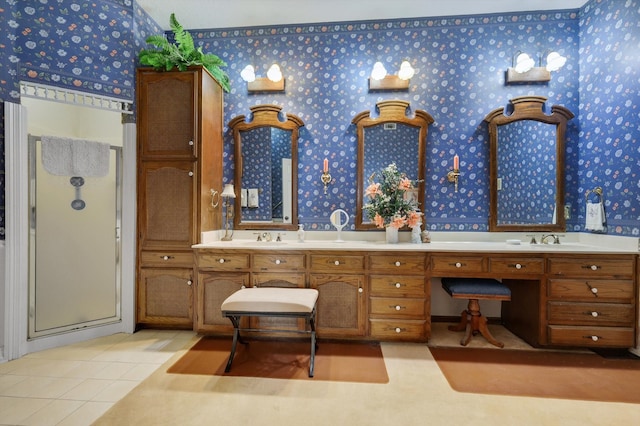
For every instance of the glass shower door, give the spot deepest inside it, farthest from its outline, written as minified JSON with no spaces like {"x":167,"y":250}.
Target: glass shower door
{"x":74,"y":247}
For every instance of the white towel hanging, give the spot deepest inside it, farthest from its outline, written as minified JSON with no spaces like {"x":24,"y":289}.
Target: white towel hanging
{"x":75,"y":157}
{"x":595,"y":217}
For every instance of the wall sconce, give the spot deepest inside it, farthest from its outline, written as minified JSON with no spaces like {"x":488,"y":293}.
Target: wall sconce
{"x":326,"y":177}
{"x":379,"y":80}
{"x":273,"y":82}
{"x":454,"y":174}
{"x":523,"y":69}
{"x":228,"y":194}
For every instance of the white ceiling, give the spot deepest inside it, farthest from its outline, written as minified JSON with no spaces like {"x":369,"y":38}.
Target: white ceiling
{"x":205,"y":14}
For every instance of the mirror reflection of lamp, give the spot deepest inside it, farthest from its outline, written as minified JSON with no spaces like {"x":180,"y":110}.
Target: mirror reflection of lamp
{"x":228,"y":194}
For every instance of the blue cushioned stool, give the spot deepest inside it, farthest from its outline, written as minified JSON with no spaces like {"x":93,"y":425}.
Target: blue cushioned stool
{"x":474,"y":289}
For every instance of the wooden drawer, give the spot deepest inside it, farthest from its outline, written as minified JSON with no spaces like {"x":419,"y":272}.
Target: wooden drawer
{"x":275,"y":279}
{"x":600,"y":314}
{"x":454,"y":264}
{"x":592,"y":267}
{"x":166,"y":258}
{"x":278,"y":262}
{"x":397,"y":307}
{"x":397,"y":285}
{"x":406,"y":330}
{"x":622,"y":337}
{"x":591,"y":290}
{"x":401,"y":263}
{"x":516,"y":265}
{"x":330,"y":264}
{"x":223,"y":261}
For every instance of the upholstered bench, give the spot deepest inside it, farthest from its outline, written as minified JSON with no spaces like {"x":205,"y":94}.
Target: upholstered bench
{"x":471,"y":320}
{"x":272,"y":302}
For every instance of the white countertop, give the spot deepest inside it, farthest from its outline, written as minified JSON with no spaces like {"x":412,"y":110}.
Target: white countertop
{"x":441,"y":242}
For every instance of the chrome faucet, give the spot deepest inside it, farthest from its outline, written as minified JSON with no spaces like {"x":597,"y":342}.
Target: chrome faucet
{"x":266,"y":236}
{"x":556,"y":239}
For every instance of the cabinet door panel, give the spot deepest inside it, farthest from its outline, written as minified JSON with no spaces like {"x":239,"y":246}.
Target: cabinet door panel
{"x":341,"y":305}
{"x":166,"y":114}
{"x":165,"y":296}
{"x":213,"y":289}
{"x":165,"y":214}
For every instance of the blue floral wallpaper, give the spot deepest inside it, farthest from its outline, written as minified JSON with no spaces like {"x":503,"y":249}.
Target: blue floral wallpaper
{"x":609,"y":138}
{"x":460,"y":62}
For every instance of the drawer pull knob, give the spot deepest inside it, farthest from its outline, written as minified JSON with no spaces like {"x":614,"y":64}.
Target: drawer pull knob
{"x":360,"y":290}
{"x":398,"y":285}
{"x":398,"y":307}
{"x":190,"y":173}
{"x":167,"y":257}
{"x":458,"y":265}
{"x":190,"y":143}
{"x":189,"y":282}
{"x":594,"y":267}
{"x":594,"y":338}
{"x":221,"y":260}
{"x":398,"y":330}
{"x":277,"y":261}
{"x":337,"y":263}
{"x":594,"y":290}
{"x":397,"y":263}
{"x":594,"y":314}
{"x":518,"y":266}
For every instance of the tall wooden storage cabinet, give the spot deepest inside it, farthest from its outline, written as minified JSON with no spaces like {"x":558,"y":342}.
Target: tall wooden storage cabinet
{"x":180,"y":122}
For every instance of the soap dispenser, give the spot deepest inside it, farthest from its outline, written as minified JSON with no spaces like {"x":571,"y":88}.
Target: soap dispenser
{"x":300,"y":233}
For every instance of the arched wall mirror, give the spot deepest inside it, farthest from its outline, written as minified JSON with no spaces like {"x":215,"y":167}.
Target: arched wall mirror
{"x":527,"y":149}
{"x":266,"y":169}
{"x":390,"y":137}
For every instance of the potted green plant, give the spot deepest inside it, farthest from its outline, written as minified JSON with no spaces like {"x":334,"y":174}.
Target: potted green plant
{"x":182,"y":54}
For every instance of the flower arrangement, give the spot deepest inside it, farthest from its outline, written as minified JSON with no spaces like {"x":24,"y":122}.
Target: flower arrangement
{"x":388,"y":203}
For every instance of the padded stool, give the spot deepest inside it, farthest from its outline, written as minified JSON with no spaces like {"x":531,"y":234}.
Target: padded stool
{"x":474,"y":289}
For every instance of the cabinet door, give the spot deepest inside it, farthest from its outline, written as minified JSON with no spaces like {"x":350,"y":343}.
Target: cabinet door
{"x":166,"y":114}
{"x":213,"y":289}
{"x":165,"y":297}
{"x":165,"y":205}
{"x":341,"y":305}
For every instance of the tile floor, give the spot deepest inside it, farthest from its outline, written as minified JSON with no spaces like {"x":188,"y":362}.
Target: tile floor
{"x":77,"y":384}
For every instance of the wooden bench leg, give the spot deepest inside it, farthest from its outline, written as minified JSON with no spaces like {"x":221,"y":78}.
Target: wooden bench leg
{"x":473,"y":322}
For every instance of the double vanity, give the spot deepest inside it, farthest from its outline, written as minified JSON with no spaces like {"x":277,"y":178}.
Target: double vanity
{"x":563,"y":295}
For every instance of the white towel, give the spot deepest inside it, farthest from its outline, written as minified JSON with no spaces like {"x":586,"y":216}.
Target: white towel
{"x":253,"y":198}
{"x":75,"y":157}
{"x":243,"y":197}
{"x":595,"y":217}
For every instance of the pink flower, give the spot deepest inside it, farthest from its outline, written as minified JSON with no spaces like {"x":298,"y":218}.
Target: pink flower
{"x":379,"y":221}
{"x":373,"y":190}
{"x":398,"y":222}
{"x":405,"y":184}
{"x":414,"y":219}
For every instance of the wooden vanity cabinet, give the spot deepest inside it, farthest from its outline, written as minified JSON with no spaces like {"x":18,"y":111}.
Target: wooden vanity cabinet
{"x":591,"y":301}
{"x":339,"y":278}
{"x":220,"y":274}
{"x":399,"y":297}
{"x":179,"y":161}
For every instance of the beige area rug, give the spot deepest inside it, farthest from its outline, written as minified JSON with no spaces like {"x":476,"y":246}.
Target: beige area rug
{"x":281,"y":359}
{"x":547,"y":374}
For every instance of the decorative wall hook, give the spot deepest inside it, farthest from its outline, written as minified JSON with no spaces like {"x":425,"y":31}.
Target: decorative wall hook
{"x":454,"y":175}
{"x":326,"y":177}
